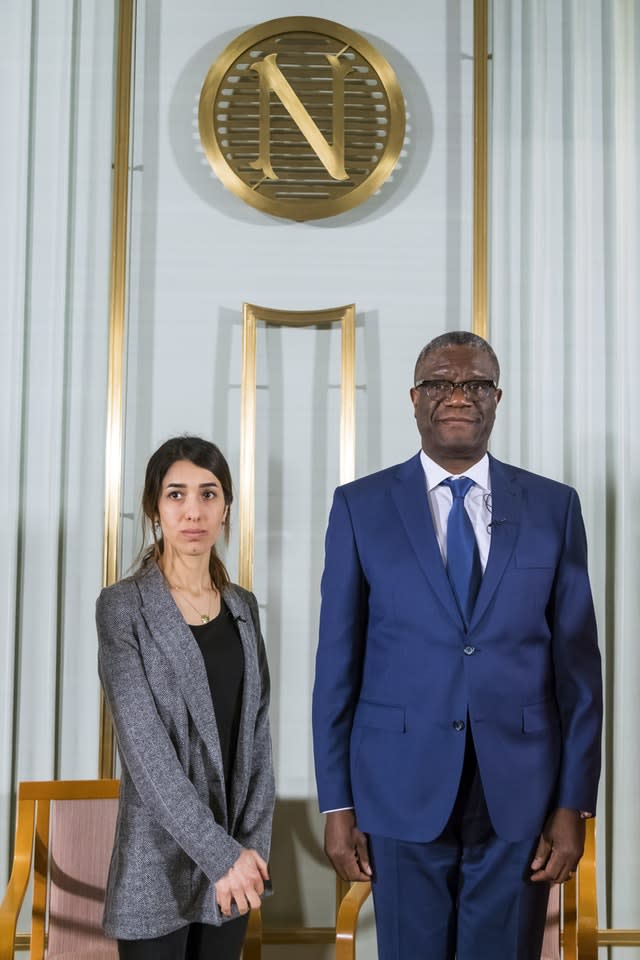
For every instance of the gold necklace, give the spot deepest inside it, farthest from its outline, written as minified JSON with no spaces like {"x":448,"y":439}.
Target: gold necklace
{"x":204,"y":617}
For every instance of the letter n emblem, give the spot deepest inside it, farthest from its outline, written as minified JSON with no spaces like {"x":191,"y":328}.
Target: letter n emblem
{"x":272,"y":80}
{"x":302,"y":118}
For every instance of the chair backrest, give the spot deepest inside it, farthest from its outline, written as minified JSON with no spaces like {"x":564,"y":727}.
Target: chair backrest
{"x":81,"y":841}
{"x":66,"y":829}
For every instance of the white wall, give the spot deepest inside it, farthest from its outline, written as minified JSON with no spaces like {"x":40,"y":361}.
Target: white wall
{"x":198,"y":253}
{"x":56,"y":62}
{"x":565,"y":306}
{"x":565,"y":210}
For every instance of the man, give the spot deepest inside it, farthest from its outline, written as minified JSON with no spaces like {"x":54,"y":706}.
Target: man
{"x":457,"y":704}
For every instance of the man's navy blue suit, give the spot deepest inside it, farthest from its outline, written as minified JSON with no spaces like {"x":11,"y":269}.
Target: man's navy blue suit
{"x":399,"y":678}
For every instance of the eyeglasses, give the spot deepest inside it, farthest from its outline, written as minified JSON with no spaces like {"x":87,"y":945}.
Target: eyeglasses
{"x":443,"y":389}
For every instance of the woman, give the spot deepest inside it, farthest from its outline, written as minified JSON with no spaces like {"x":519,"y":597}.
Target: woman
{"x":183,"y":668}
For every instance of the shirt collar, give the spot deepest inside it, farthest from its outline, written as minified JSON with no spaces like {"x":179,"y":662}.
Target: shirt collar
{"x":435,"y":474}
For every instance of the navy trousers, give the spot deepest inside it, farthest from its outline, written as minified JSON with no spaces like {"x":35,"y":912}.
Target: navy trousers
{"x":464,"y":896}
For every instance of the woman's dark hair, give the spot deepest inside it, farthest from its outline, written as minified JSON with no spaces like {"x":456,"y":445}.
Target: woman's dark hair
{"x":203,"y":454}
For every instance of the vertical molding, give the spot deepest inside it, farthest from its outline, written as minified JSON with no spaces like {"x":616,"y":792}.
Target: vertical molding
{"x":348,"y":396}
{"x":611,"y":507}
{"x":16,"y":108}
{"x":115,"y":399}
{"x":624,"y":462}
{"x":46,"y":314}
{"x":65,"y":405}
{"x":26,"y":232}
{"x":117,"y":342}
{"x":88,"y":215}
{"x":247,"y":509}
{"x":480,"y":165}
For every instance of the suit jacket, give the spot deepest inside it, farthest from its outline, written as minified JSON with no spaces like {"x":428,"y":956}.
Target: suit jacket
{"x":397,"y":675}
{"x":176,"y":835}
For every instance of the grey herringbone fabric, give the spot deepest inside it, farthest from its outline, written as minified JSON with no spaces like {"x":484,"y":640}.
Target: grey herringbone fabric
{"x":175,"y":834}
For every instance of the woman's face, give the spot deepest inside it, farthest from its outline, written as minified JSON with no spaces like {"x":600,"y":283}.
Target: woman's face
{"x":191,"y":509}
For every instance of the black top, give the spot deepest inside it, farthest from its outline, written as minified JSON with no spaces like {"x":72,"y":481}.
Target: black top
{"x":221,"y":649}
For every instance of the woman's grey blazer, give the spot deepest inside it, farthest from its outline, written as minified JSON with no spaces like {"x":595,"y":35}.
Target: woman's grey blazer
{"x":176,"y":835}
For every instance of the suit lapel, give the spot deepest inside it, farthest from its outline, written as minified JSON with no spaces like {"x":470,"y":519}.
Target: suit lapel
{"x":409,"y":493}
{"x":175,"y":639}
{"x":506,"y":509}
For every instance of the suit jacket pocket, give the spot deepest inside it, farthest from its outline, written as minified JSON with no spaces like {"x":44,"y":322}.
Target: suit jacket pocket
{"x":380,"y":716}
{"x":539,"y":716}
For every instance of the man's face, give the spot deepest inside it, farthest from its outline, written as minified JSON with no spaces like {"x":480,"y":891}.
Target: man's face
{"x":457,"y":428}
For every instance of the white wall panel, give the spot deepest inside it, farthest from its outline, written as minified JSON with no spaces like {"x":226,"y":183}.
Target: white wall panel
{"x":45,"y":342}
{"x":198,"y":253}
{"x":14,"y":105}
{"x":623,"y":303}
{"x":57,"y":63}
{"x":565,"y":213}
{"x":82,"y":489}
{"x":565,"y":302}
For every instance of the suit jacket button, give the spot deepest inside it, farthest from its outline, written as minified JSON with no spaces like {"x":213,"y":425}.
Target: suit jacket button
{"x":458,"y":725}
{"x":468,"y":650}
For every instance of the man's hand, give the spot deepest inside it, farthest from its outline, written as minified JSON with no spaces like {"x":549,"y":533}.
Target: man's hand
{"x":560,"y":847}
{"x":242,"y":883}
{"x":346,"y":846}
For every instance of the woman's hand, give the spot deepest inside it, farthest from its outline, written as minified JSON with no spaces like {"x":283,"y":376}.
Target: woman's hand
{"x":243,"y":883}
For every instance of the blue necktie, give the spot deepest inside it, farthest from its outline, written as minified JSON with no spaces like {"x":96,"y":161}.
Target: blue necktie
{"x":463,"y":559}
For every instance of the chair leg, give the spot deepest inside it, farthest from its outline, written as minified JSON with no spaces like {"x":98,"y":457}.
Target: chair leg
{"x":347,"y":920}
{"x":587,"y":932}
{"x":19,"y":879}
{"x":252,"y":949}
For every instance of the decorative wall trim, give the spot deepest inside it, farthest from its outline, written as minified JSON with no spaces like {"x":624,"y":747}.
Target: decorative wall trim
{"x":252,"y":315}
{"x":480,"y":322}
{"x":117,"y":341}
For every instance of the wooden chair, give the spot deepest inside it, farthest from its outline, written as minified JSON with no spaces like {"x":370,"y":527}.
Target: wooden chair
{"x":572,"y":918}
{"x":65,"y":830}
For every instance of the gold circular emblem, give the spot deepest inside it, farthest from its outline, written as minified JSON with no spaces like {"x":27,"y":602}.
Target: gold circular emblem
{"x":302,"y":118}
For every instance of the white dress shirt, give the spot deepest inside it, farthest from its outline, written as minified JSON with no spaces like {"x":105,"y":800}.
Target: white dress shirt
{"x":477,"y":502}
